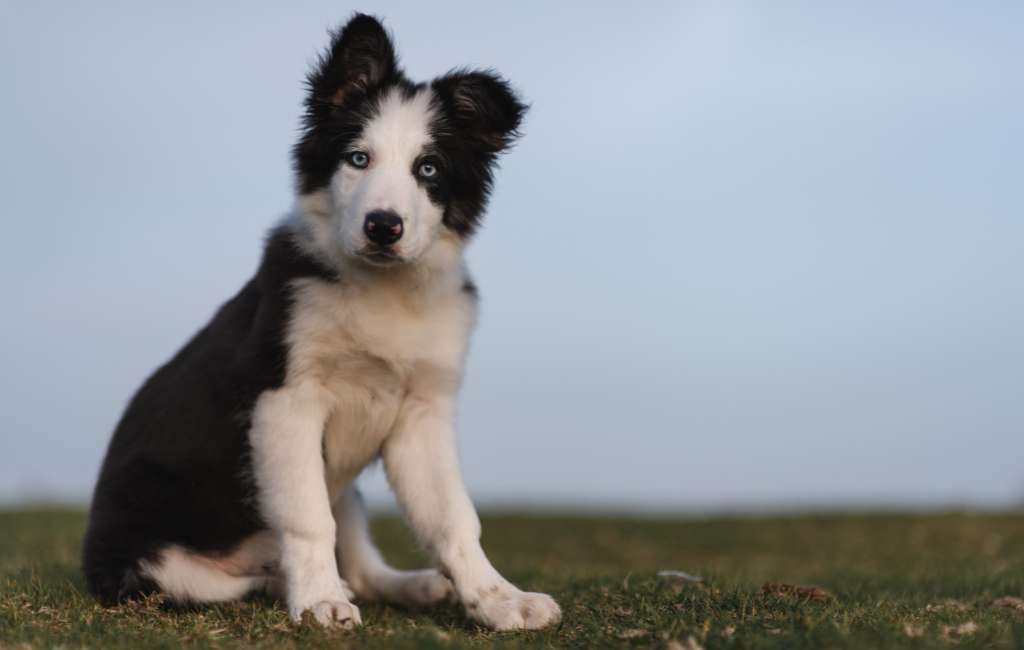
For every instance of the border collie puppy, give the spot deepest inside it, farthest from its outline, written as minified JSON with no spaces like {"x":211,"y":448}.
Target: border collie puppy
{"x":232,"y":467}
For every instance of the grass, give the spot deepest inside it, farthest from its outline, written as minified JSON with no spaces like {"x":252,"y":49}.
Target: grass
{"x":897,"y":581}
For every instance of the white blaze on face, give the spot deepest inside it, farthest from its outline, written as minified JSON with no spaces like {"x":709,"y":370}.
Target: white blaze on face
{"x":394,"y":140}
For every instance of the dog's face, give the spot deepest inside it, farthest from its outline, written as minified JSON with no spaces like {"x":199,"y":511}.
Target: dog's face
{"x":391,"y":188}
{"x":387,"y":168}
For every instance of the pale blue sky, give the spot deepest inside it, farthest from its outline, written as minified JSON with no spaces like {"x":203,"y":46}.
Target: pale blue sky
{"x":747,"y":254}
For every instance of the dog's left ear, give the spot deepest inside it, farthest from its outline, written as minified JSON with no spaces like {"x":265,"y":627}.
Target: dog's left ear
{"x":483,"y":105}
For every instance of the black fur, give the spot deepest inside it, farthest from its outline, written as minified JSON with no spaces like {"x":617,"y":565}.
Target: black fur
{"x":359,"y":67}
{"x":177,"y":470}
{"x":480,"y":119}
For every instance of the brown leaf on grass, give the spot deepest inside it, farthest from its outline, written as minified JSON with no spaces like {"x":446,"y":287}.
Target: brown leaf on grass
{"x":689,"y":644}
{"x":807,"y":592}
{"x":1010,"y":603}
{"x":679,"y":580}
{"x":618,"y":612}
{"x":967,"y":629}
{"x":957,"y":605}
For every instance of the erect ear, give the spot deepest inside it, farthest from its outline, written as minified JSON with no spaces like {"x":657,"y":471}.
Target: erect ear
{"x":361,"y":56}
{"x":483,"y":106}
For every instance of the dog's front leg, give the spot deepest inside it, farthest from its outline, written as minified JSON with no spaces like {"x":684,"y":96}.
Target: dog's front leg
{"x":422,"y":465}
{"x":287,"y":454}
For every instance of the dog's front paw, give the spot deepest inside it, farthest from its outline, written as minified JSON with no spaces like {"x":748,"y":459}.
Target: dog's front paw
{"x":503,"y":607}
{"x":328,"y":613}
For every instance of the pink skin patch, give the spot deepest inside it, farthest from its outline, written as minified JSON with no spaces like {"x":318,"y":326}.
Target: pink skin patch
{"x":238,"y":567}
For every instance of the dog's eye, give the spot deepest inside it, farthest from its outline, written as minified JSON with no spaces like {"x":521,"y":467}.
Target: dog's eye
{"x":427,"y":170}
{"x":359,"y":159}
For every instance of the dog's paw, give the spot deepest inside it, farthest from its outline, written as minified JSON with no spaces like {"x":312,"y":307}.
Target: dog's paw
{"x":504,"y":607}
{"x":417,"y":588}
{"x":328,"y":613}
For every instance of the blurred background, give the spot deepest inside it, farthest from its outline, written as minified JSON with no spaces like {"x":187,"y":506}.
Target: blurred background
{"x":747,"y":256}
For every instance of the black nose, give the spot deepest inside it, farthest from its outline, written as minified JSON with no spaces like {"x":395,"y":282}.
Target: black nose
{"x":383,"y":227}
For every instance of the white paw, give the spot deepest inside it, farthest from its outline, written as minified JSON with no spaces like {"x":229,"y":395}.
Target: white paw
{"x":417,"y":588}
{"x":330,"y":612}
{"x":503,"y":607}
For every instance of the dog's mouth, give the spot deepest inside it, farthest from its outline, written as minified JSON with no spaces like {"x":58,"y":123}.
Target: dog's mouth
{"x":381,"y":256}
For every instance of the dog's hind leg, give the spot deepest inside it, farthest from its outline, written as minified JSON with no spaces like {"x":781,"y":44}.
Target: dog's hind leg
{"x":362,"y":566}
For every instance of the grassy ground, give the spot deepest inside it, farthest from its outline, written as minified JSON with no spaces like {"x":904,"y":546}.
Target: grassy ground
{"x":897,"y":581}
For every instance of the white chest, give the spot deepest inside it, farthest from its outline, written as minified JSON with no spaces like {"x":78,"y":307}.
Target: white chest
{"x":367,"y":354}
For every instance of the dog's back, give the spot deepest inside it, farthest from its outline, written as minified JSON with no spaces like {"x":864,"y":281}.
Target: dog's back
{"x":178,"y":467}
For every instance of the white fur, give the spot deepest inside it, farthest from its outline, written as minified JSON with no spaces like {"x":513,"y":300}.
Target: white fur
{"x":185,"y":577}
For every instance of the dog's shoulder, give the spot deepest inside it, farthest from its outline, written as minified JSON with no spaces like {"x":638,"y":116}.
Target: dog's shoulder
{"x":218,"y":375}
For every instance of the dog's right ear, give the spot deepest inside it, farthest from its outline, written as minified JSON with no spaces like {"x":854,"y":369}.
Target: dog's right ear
{"x":361,"y":57}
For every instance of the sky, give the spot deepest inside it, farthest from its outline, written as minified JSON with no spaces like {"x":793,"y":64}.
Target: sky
{"x":747,"y":256}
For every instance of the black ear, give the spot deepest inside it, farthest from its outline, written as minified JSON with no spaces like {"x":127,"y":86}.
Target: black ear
{"x":361,"y":57}
{"x":483,"y":106}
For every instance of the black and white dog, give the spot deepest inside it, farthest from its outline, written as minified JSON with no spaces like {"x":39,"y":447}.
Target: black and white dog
{"x":232,"y":467}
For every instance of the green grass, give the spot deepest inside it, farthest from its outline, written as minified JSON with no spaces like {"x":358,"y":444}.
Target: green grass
{"x":883,"y":570}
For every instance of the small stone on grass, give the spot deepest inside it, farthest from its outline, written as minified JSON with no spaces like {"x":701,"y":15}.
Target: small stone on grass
{"x":679,"y":580}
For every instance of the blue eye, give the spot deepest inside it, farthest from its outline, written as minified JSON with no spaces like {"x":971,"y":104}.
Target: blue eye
{"x":359,"y":159}
{"x":427,"y":170}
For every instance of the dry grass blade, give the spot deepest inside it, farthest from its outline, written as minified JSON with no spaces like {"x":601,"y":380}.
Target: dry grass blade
{"x":807,"y":592}
{"x":151,"y":604}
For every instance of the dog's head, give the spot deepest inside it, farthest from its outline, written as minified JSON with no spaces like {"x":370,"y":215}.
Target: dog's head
{"x":386,"y":168}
